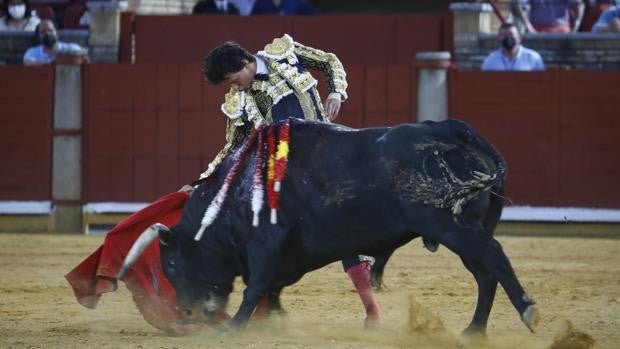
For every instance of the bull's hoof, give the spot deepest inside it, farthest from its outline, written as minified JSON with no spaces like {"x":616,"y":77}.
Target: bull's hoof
{"x":475,"y":333}
{"x":371,"y":322}
{"x":430,"y":245}
{"x":280,"y":312}
{"x":531,"y":318}
{"x":223,"y":327}
{"x":236,"y":324}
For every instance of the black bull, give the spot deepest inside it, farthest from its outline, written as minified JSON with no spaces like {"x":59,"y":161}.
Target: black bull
{"x":347,"y":192}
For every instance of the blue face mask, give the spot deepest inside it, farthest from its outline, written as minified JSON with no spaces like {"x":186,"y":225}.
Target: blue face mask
{"x":509,"y":43}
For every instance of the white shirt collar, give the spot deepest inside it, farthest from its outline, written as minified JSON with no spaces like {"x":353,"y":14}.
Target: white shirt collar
{"x":261,"y":66}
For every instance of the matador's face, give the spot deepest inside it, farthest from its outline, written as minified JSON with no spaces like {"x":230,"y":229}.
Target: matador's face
{"x":242,"y":80}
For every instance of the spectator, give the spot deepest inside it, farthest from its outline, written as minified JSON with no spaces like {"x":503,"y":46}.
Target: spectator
{"x":223,"y":7}
{"x":593,"y":11}
{"x":244,"y":6}
{"x":609,"y":21}
{"x":550,"y":16}
{"x":49,"y":48}
{"x":283,"y":7}
{"x":512,"y":56}
{"x":18,"y":16}
{"x":85,"y":19}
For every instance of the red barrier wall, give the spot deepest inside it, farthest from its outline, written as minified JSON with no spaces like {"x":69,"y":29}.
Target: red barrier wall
{"x":148,"y":129}
{"x":151,"y":128}
{"x":558,"y":131}
{"x":355,"y":39}
{"x":26,"y":108}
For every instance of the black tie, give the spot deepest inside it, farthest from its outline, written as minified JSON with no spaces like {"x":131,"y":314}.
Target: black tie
{"x":261,"y":77}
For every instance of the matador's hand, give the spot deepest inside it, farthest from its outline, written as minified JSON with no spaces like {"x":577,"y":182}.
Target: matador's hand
{"x":187,"y":188}
{"x":332,"y":107}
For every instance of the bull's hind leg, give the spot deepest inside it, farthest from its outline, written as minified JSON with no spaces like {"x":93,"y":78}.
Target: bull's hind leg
{"x":274,"y":305}
{"x":487,"y":286}
{"x":471,"y":244}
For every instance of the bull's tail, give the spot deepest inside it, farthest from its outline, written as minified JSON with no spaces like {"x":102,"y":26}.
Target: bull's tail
{"x":377,"y":269}
{"x":496,"y":205}
{"x":480,"y":181}
{"x":496,"y":188}
{"x":470,"y":136}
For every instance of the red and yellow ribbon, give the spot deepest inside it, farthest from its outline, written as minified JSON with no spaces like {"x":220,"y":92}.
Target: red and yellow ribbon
{"x":276,"y":166}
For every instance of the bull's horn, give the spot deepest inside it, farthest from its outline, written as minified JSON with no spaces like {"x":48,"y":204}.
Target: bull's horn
{"x":138,"y":248}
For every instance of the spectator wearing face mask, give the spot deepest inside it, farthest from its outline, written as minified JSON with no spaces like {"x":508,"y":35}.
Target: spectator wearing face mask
{"x":50,"y":48}
{"x":223,"y":7}
{"x":511,"y":55}
{"x":18,"y":16}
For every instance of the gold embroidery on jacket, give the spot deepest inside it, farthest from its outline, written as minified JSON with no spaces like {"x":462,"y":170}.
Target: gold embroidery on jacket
{"x":234,"y":101}
{"x":284,"y":79}
{"x":279,"y":47}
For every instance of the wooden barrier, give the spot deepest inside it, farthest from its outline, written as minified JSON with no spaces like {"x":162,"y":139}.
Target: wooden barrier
{"x":26,"y":104}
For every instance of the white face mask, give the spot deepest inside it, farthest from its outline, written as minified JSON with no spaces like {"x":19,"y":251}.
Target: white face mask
{"x":17,"y":11}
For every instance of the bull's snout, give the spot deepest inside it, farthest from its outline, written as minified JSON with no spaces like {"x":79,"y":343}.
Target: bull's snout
{"x":214,"y":309}
{"x":210,"y":307}
{"x":211,"y":304}
{"x":193,"y":314}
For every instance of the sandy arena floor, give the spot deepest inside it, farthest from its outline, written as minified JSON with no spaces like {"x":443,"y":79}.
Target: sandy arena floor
{"x":576,"y":280}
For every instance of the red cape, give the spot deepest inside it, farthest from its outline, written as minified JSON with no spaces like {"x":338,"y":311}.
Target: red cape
{"x":151,"y":290}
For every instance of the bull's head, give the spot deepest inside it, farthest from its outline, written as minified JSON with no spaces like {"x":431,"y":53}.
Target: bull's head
{"x":201,"y":289}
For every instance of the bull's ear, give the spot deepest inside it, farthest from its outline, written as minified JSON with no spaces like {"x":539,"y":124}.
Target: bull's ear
{"x":165,"y":237}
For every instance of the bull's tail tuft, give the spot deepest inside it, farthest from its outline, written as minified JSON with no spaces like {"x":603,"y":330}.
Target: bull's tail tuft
{"x":480,"y":181}
{"x":470,"y":136}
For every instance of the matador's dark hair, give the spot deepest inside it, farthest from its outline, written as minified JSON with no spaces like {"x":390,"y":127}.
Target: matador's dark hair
{"x":223,"y":60}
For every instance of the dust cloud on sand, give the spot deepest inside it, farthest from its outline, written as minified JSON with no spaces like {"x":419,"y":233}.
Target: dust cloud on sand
{"x":571,"y":338}
{"x":431,"y":299}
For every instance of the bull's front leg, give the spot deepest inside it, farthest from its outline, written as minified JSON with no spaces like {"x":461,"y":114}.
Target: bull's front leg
{"x":251,"y":297}
{"x":258,"y":285}
{"x":262,"y":265}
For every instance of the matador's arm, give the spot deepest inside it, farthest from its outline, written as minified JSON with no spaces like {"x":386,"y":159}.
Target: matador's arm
{"x":235,"y":135}
{"x":327,"y":63}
